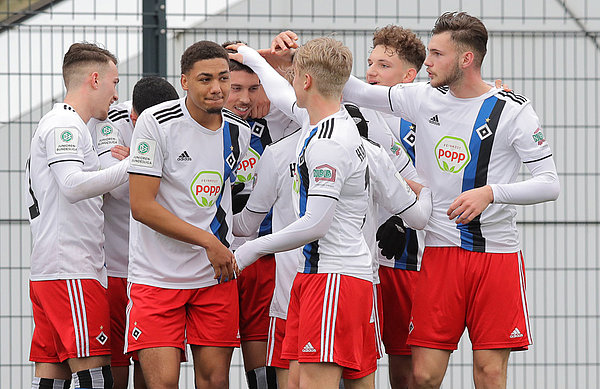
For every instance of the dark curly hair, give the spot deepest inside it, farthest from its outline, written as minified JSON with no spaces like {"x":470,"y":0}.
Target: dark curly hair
{"x":200,"y":51}
{"x":403,"y":41}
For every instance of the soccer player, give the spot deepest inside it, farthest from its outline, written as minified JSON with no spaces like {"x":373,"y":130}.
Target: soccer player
{"x":68,"y":282}
{"x":470,"y":143}
{"x":115,"y":131}
{"x":327,"y":334}
{"x":256,"y":284}
{"x":183,"y":162}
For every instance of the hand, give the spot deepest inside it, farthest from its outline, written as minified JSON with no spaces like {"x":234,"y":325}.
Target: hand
{"x":262,"y":105}
{"x":468,"y":205}
{"x":221,"y":260}
{"x":284,"y":41}
{"x":245,"y":256}
{"x":415,"y":186}
{"x":391,"y":237}
{"x":120,"y":152}
{"x":498,"y":83}
{"x":236,"y":56}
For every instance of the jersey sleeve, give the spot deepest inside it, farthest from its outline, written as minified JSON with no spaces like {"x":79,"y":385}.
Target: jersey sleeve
{"x":265,"y":185}
{"x":64,"y":143}
{"x":527,"y":137}
{"x":148,"y":148}
{"x":329,"y":166}
{"x":389,"y":189}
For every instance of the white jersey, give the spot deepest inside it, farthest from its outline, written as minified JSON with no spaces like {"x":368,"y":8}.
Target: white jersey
{"x":67,"y":237}
{"x":196,"y":167}
{"x":332,"y":163}
{"x":273,"y":188}
{"x":115,"y":130}
{"x":463,"y":144}
{"x":387,"y":191}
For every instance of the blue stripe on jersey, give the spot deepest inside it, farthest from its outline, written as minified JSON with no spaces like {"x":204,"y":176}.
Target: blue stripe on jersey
{"x":310,"y":250}
{"x":217,"y":225}
{"x":406,"y":131}
{"x":255,"y":141}
{"x":470,"y":234}
{"x":266,"y":226}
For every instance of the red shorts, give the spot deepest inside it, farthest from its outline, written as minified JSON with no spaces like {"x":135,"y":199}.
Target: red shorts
{"x":71,"y":320}
{"x":397,"y":287}
{"x":485,"y":291}
{"x":378,"y":318}
{"x":117,"y":301}
{"x":255,"y":287}
{"x":274,"y":343}
{"x":159,"y":317}
{"x":329,"y":320}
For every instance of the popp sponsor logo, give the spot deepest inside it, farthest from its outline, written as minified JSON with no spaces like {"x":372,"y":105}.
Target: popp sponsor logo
{"x":247,"y":167}
{"x":452,"y":154}
{"x":206,"y":188}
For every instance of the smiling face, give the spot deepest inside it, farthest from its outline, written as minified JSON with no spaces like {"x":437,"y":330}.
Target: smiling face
{"x":385,"y":67}
{"x":207,"y":85}
{"x":244,"y":90}
{"x":442,"y":61}
{"x":106,"y":93}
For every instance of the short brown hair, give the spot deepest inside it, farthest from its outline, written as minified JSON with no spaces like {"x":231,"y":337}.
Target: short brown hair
{"x":235,"y":66}
{"x":466,"y":31}
{"x":405,"y":43}
{"x":81,"y":54}
{"x":200,"y":51}
{"x":328,"y":61}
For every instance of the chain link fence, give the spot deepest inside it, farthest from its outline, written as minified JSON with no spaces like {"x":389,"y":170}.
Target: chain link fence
{"x":547,"y":50}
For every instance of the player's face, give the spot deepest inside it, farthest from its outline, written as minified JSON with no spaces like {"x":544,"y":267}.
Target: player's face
{"x":108,"y":78}
{"x":244,"y":91}
{"x":442,"y":61}
{"x":385,"y":67}
{"x":207,"y":85}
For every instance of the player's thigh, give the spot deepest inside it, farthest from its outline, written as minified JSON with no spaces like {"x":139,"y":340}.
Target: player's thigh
{"x":320,"y":375}
{"x":160,"y":366}
{"x":367,"y":382}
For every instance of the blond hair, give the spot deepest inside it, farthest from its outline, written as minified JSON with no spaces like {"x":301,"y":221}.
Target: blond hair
{"x":328,"y":62}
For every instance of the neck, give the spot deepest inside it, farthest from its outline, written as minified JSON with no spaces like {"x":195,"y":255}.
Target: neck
{"x":212,"y":121}
{"x":320,"y":107}
{"x":80,"y":104}
{"x":470,"y":85}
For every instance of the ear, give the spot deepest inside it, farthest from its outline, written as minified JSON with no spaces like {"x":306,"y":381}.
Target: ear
{"x":410,"y":75}
{"x":133,"y":115}
{"x":466,"y":59}
{"x":308,"y":81}
{"x":95,"y":80}
{"x":184,"y":83}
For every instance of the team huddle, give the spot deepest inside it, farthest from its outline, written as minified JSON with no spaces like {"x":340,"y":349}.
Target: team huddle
{"x":285,"y":207}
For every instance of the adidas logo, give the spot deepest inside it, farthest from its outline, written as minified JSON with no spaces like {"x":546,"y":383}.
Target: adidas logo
{"x":308,"y":348}
{"x":516,"y":334}
{"x":434,"y":120}
{"x":184,"y":157}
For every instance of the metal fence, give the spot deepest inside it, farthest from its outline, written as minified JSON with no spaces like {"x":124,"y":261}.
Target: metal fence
{"x":546,"y":50}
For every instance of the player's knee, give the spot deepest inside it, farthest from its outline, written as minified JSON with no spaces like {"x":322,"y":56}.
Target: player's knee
{"x":216,"y":381}
{"x":490,"y":372}
{"x":94,"y":378}
{"x":424,"y":378}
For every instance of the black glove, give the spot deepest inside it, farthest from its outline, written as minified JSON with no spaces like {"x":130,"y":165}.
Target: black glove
{"x":391,"y":237}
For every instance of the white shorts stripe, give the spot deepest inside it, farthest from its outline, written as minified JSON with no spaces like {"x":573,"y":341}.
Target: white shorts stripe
{"x":377,"y":323}
{"x":523,"y":296}
{"x":271,"y":340}
{"x":84,"y":323}
{"x":74,"y":316}
{"x":127,"y":311}
{"x":334,"y":316}
{"x":324,"y":327}
{"x":78,"y":315}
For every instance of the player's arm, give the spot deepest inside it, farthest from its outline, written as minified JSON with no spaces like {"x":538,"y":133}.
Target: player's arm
{"x":145,"y":209}
{"x":278,"y":89}
{"x":313,"y":225}
{"x":262,"y":197}
{"x":108,"y":155}
{"x":531,"y":146}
